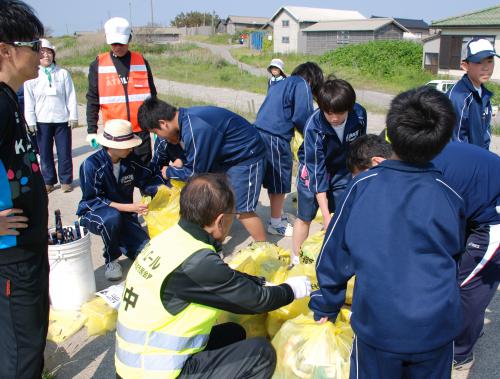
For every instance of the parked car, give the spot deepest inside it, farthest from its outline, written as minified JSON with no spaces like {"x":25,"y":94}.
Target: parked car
{"x":441,"y":85}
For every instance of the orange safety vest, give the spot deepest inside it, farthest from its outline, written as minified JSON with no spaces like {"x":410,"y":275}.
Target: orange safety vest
{"x":112,"y":99}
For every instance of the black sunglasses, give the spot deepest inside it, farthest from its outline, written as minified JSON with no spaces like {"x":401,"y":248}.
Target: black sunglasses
{"x":34,"y":45}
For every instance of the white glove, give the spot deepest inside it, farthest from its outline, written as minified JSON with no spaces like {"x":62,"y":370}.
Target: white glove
{"x":301,"y":286}
{"x":73,"y":124}
{"x":91,"y":139}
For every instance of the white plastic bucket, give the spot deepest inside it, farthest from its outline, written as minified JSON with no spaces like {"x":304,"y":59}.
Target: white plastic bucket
{"x":71,"y":280}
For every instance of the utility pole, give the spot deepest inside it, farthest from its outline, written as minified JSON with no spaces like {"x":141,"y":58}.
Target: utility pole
{"x":130,"y":12}
{"x":152,"y":19}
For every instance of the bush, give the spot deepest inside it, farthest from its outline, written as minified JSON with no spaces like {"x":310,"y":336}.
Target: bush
{"x":378,"y":58}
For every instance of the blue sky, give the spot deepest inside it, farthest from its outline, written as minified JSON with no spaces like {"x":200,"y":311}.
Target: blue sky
{"x":64,"y":16}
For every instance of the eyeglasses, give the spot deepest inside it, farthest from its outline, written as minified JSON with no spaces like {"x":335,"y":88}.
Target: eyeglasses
{"x":34,"y":45}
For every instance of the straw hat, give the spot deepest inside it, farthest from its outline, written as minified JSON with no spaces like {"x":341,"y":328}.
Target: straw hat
{"x":118,"y":135}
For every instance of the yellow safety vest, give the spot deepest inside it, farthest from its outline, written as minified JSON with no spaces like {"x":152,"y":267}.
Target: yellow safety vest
{"x":150,"y":342}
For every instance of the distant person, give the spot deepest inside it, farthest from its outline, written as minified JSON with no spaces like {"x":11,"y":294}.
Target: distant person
{"x":178,"y":287}
{"x":51,"y":110}
{"x":277,"y":70}
{"x":286,"y":107}
{"x":24,"y":266}
{"x":322,"y":172}
{"x":214,"y":140}
{"x":471,"y":99}
{"x":119,"y":81}
{"x":107,"y":208}
{"x":400,"y":227}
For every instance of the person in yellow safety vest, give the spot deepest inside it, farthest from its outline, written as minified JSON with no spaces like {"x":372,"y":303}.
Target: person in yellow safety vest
{"x":177,"y":287}
{"x":119,"y":81}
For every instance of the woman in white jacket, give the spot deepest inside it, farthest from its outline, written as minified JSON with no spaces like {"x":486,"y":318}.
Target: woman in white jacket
{"x":50,"y":109}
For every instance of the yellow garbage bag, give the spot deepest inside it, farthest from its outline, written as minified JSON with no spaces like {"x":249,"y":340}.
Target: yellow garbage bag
{"x":163,"y":209}
{"x":273,"y":324}
{"x":350,"y":290}
{"x":295,"y":143}
{"x":309,"y":350}
{"x":299,"y":306}
{"x":101,"y":318}
{"x":63,"y":324}
{"x":260,"y":259}
{"x":254,"y":325}
{"x":311,"y":247}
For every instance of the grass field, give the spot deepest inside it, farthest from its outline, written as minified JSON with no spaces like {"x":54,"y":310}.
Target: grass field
{"x":216,"y":39}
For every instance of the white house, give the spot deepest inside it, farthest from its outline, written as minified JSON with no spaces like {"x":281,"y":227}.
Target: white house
{"x":289,"y":22}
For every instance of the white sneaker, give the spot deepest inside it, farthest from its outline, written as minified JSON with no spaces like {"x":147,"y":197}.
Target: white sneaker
{"x":284,"y":228}
{"x":113,"y":271}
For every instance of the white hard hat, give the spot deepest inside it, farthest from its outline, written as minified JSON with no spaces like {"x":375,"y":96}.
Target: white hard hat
{"x":117,"y":30}
{"x":278,"y":63}
{"x":46,"y":43}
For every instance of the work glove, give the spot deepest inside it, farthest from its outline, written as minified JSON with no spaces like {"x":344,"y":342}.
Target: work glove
{"x":73,"y":124}
{"x":301,"y":286}
{"x":92,"y":140}
{"x":32,"y":129}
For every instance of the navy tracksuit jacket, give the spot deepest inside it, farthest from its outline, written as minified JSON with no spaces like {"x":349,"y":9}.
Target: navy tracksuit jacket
{"x":399,"y":229}
{"x":215,"y":139}
{"x":473,"y":113}
{"x":322,"y":155}
{"x":164,"y":153}
{"x":288,"y":105}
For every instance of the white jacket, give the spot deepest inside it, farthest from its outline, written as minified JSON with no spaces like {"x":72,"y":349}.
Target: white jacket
{"x":43,"y":104}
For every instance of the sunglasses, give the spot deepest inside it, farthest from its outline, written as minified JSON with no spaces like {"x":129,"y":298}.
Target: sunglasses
{"x":33,"y":45}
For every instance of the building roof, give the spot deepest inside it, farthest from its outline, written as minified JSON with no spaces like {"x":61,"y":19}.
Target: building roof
{"x":369,"y":24}
{"x":431,"y":37}
{"x":408,"y":23}
{"x":148,"y":30}
{"x":247,"y":20}
{"x":483,"y":17}
{"x":305,"y":14}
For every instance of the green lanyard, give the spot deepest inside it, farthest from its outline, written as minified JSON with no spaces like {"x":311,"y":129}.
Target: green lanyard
{"x":48,"y":71}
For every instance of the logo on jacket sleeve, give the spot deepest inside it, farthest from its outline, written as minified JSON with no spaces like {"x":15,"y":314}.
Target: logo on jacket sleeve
{"x":352,"y":136}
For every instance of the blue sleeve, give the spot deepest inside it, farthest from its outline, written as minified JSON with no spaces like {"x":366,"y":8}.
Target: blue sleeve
{"x":92,"y":189}
{"x":334,"y":267}
{"x":461,"y":130}
{"x":202,"y":143}
{"x":302,"y":105}
{"x":314,"y":159}
{"x":163,"y":154}
{"x":145,"y":178}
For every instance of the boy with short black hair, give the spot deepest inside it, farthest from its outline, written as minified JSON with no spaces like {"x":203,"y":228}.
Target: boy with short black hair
{"x":406,"y":305}
{"x":24,"y":266}
{"x":470,"y":98}
{"x":366,"y":152}
{"x":322,"y":173}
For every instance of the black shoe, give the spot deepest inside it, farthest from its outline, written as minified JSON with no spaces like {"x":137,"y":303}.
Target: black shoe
{"x":462,"y":364}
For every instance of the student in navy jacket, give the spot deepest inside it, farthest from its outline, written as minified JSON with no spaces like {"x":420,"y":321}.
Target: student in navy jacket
{"x":213,"y":140}
{"x":322,"y":173}
{"x":165,"y":154}
{"x":107,"y":179}
{"x":470,"y":97}
{"x":473,"y":173}
{"x":406,"y":305}
{"x":287,"y":106}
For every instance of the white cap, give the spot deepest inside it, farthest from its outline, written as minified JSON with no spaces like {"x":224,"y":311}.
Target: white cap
{"x":46,"y":43}
{"x":477,"y":49}
{"x":117,"y":30}
{"x":278,"y":63}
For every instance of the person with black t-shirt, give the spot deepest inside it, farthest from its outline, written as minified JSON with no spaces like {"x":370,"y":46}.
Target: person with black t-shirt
{"x":24,"y":267}
{"x":119,"y":81}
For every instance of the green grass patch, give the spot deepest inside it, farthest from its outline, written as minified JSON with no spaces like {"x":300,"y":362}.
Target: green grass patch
{"x":216,"y":39}
{"x":200,"y":66}
{"x":81,"y":83}
{"x":262,"y":59}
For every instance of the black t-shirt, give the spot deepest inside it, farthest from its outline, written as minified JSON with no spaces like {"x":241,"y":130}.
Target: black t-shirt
{"x":25,"y":186}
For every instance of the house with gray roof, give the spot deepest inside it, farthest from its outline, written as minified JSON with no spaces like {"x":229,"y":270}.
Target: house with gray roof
{"x":329,"y":35}
{"x":417,"y":27}
{"x":235,"y":24}
{"x":453,"y":33}
{"x":290,"y":21}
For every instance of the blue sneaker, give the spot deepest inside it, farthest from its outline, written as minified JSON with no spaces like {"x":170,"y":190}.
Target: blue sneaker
{"x":284,"y":228}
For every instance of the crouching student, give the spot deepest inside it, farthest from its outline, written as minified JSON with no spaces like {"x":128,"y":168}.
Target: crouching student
{"x":176,"y":289}
{"x":322,"y":173}
{"x":287,"y":106}
{"x":213,"y":140}
{"x":107,"y":208}
{"x":406,"y":305}
{"x":166,"y":154}
{"x":473,"y":173}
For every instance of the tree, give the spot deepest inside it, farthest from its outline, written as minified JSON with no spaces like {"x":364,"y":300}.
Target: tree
{"x":194,"y":18}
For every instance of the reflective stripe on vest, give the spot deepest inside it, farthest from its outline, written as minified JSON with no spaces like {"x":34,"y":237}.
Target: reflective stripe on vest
{"x":153,"y":362}
{"x":161,"y":340}
{"x":112,"y":99}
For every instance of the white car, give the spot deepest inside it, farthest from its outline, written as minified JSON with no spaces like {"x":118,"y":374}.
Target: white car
{"x":441,"y":85}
